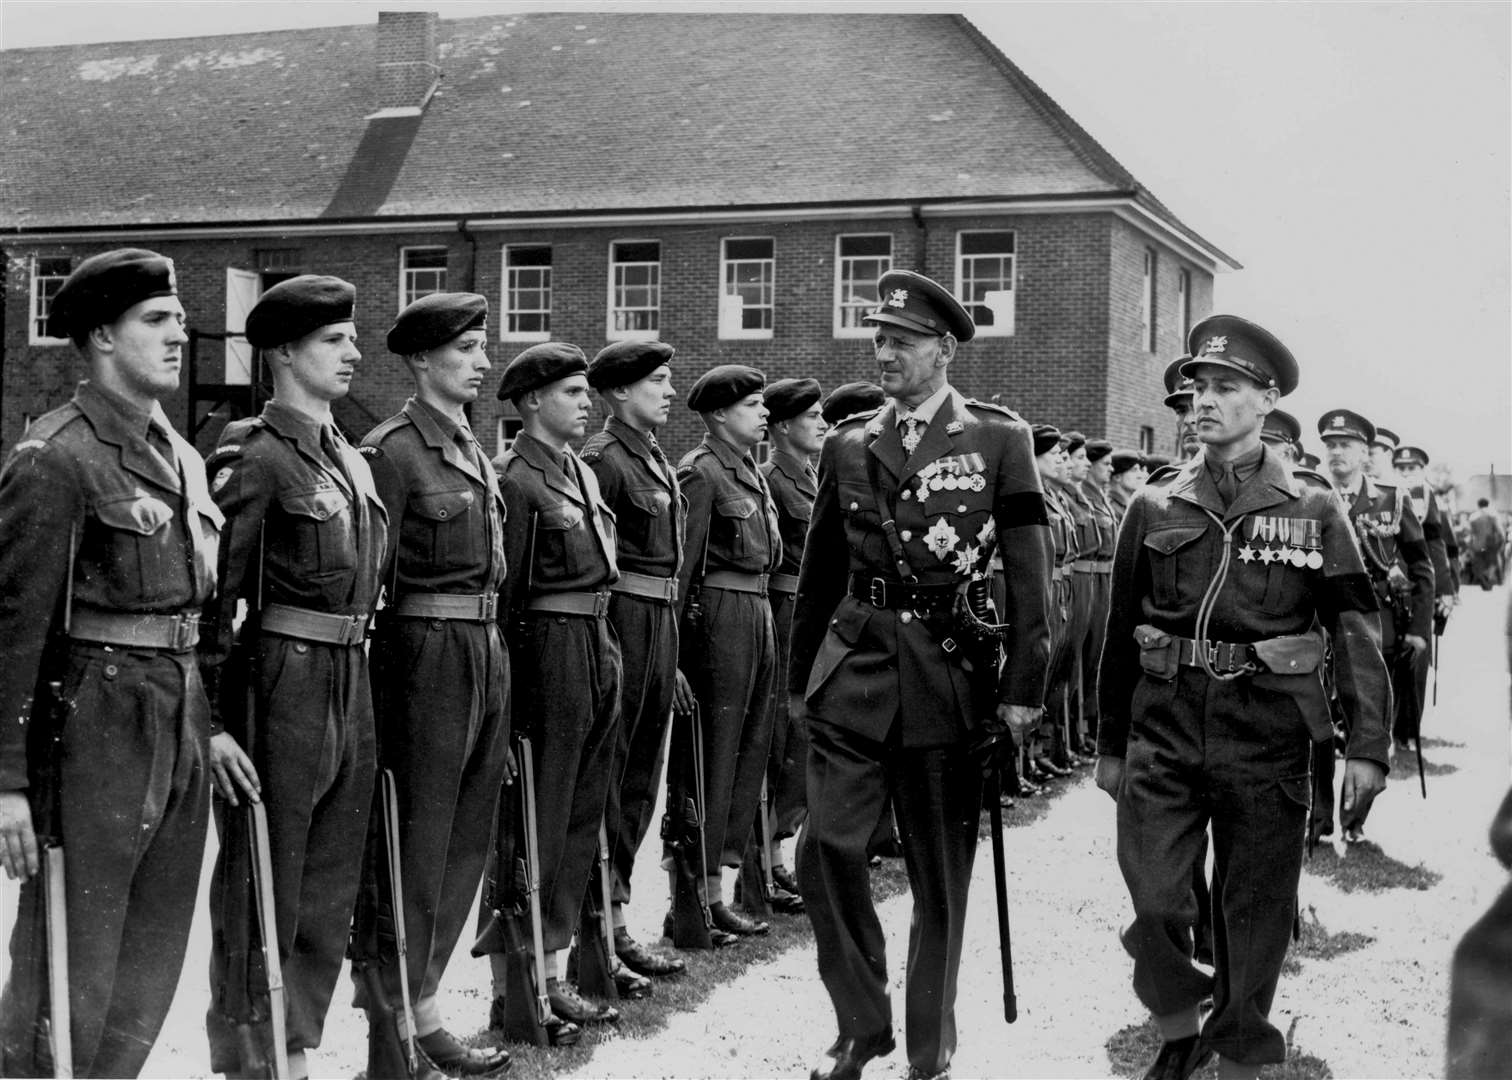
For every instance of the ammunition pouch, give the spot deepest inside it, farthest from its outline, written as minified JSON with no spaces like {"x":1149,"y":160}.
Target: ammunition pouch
{"x":1161,"y":654}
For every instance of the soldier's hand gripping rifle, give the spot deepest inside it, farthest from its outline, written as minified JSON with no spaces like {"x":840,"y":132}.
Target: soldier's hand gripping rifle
{"x":683,"y":834}
{"x":981,"y":636}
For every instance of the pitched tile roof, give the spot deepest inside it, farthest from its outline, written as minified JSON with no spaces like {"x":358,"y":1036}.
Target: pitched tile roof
{"x":554,"y":112}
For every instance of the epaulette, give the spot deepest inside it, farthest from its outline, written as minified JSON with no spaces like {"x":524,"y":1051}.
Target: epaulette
{"x":381,"y":431}
{"x":49,"y":424}
{"x":686,"y":464}
{"x":993,"y":406}
{"x":234,"y":435}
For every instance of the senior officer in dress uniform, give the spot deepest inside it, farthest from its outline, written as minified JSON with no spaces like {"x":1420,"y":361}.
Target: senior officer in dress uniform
{"x":1407,"y":464}
{"x":909,"y":499}
{"x":1212,"y":695}
{"x":727,"y":638}
{"x":1396,"y":558}
{"x":304,"y":543}
{"x":107,"y":551}
{"x":441,"y":670}
{"x":796,"y":428}
{"x":638,"y":483}
{"x":559,"y":535}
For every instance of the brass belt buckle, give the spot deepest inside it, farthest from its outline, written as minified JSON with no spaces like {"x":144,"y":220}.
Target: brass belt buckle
{"x":1211,"y":649}
{"x":877,"y":593}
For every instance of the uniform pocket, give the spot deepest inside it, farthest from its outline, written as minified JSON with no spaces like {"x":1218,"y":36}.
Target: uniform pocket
{"x":442,"y":524}
{"x":741,"y":522}
{"x":319,"y":538}
{"x":1172,"y":550}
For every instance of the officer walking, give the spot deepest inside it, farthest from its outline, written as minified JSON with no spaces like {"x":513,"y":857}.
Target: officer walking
{"x":566,"y":662}
{"x":304,"y":543}
{"x":727,"y":638}
{"x":441,"y":675}
{"x":911,"y":500}
{"x":1212,"y":696}
{"x":107,"y":552}
{"x":638,"y":483}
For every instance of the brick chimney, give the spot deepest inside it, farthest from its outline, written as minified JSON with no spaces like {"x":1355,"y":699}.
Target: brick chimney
{"x":407,"y":67}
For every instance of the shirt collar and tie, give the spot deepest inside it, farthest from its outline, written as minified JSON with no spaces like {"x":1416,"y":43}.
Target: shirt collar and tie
{"x":914,"y":420}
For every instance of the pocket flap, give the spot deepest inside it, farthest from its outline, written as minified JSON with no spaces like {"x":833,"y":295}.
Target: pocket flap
{"x":141,"y":513}
{"x":1294,"y":654}
{"x":848,"y":622}
{"x":736,"y":506}
{"x":650,"y":501}
{"x":318,"y":503}
{"x":1151,"y":637}
{"x":1171,"y":540}
{"x":560,"y":517}
{"x":442,"y":505}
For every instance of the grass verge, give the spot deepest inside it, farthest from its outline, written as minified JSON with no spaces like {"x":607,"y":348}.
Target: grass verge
{"x":1133,"y":1048}
{"x":1364,"y":867}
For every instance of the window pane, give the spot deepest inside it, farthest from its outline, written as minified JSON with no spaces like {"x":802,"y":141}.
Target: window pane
{"x":865,"y":245}
{"x":987,"y":243}
{"x":527,"y":290}
{"x":749,"y":249}
{"x":648,"y":251}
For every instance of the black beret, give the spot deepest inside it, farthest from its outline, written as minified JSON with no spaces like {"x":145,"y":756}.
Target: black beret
{"x":1387,"y":438}
{"x":917,"y":303}
{"x":1097,"y":449}
{"x":724,"y":385}
{"x":541,"y":365}
{"x":291,"y":309}
{"x":1409,"y":455}
{"x":1245,"y":347}
{"x":786,"y":398}
{"x":1341,"y":422}
{"x":1046,"y":438}
{"x":433,"y":320}
{"x":1073,"y":441}
{"x":850,"y":399}
{"x":104,"y":286}
{"x":625,"y":362}
{"x":1124,"y":460}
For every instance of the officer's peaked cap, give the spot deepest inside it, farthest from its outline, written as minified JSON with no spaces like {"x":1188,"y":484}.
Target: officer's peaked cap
{"x":1245,"y":347}
{"x":1345,"y":423}
{"x":920,"y":304}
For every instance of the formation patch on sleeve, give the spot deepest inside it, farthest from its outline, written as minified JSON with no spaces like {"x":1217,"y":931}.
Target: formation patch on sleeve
{"x":220,"y":479}
{"x":591,"y":454}
{"x":370,"y":451}
{"x":30,"y":444}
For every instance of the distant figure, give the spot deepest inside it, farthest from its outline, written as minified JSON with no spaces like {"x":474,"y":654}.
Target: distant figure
{"x":1487,"y":538}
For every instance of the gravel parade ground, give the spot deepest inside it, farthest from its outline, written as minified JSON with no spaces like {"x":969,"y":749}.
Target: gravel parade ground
{"x":1375,"y":1008}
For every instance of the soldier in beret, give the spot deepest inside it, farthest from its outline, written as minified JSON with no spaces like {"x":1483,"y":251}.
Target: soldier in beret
{"x":441,"y":674}
{"x":727,"y":639}
{"x":1128,"y":476}
{"x":1212,"y":696}
{"x":1050,"y":461}
{"x":1086,"y":540}
{"x":634,"y":380}
{"x":107,"y":552}
{"x":1396,"y":558}
{"x":849,"y":399}
{"x":559,"y":542}
{"x":1407,"y":465}
{"x":304,"y":542}
{"x":1179,"y":400}
{"x":911,"y":500}
{"x":1094,"y":490}
{"x":796,"y":428}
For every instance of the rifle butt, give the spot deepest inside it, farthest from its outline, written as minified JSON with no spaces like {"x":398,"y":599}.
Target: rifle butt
{"x":60,"y":1016}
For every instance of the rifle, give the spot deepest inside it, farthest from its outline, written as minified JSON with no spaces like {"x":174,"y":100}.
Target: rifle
{"x":755,"y":888}
{"x":57,"y":1022}
{"x":683,"y":833}
{"x":591,"y":961}
{"x":262,"y":895}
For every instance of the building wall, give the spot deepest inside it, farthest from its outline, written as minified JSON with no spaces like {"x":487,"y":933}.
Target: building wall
{"x":1075,"y":358}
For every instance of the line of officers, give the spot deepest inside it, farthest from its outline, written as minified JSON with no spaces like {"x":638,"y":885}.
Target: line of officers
{"x":542,"y":618}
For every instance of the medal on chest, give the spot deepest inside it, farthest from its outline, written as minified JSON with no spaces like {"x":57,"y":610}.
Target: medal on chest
{"x":959,"y":472}
{"x":1286,"y":541}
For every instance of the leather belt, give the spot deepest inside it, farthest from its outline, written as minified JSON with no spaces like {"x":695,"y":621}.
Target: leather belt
{"x":646,"y":586}
{"x":465,"y":607}
{"x":135,"y":630}
{"x":594,"y":605}
{"x":1060,"y":573}
{"x":324,"y":626}
{"x":737,"y":582}
{"x":784,"y":583}
{"x":882,"y":593}
{"x":1093,"y":566}
{"x":1222,"y":657}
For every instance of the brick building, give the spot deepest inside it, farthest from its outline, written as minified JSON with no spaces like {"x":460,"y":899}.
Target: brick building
{"x":731,"y":183}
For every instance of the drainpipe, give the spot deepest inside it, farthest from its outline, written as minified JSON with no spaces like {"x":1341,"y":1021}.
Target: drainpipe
{"x":919,"y":223}
{"x":470,"y":274}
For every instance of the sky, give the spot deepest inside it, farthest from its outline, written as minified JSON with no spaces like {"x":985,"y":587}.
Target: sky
{"x":1354,"y":157}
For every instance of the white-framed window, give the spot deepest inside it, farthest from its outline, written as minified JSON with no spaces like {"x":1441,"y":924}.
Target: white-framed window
{"x":984,"y":280}
{"x":1147,"y":302}
{"x":48,"y":272}
{"x":860,"y":259}
{"x":748,"y":290}
{"x":1146,"y":439}
{"x":634,"y":290}
{"x":504,"y":434}
{"x":422,"y":271}
{"x":527,"y":293}
{"x":1183,"y":304}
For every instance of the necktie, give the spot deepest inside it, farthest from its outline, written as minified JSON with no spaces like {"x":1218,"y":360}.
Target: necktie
{"x":912,"y":433}
{"x":1228,"y":485}
{"x":330,"y":442}
{"x":159,"y":440}
{"x":656,"y":452}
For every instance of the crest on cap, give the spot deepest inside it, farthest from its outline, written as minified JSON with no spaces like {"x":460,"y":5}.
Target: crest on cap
{"x":1337,"y":421}
{"x":1215,"y":344}
{"x":898,"y":298}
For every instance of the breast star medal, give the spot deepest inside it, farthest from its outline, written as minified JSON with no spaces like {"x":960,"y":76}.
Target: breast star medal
{"x":941,"y":538}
